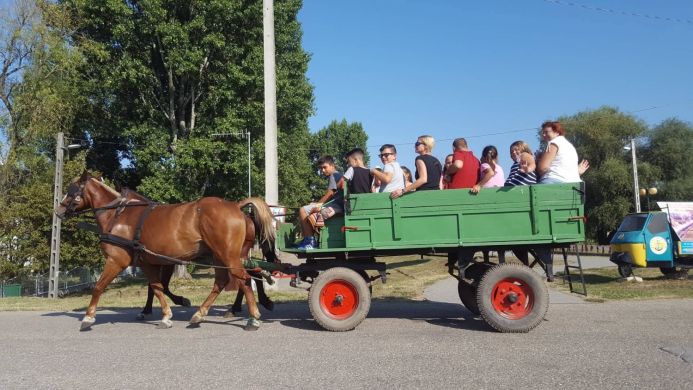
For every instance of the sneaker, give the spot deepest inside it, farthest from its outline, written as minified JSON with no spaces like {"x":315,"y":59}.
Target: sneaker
{"x":307,"y":243}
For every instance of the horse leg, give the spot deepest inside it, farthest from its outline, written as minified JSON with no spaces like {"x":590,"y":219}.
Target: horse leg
{"x":147,"y":309}
{"x":221,"y":277}
{"x":237,"y":306}
{"x":262,"y":296}
{"x":166,"y":274}
{"x":110,"y":270}
{"x":253,"y":311}
{"x":154,"y":276}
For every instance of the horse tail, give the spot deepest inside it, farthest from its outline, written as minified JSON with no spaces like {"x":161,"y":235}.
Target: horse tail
{"x":262,"y":217}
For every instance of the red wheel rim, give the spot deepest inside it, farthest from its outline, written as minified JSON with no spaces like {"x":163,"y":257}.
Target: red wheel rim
{"x":339,"y":299}
{"x":512,"y":298}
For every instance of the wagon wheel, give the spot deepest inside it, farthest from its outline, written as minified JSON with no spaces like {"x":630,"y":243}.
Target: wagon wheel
{"x":512,"y":298}
{"x":339,"y":299}
{"x":625,"y":270}
{"x":467,"y":293}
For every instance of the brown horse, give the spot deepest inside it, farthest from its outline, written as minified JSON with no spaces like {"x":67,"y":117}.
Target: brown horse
{"x":183,"y":231}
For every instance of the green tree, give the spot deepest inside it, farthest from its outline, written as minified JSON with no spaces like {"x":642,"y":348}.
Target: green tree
{"x":669,"y":149}
{"x":336,"y":140}
{"x":599,"y":136}
{"x":40,"y":98}
{"x":164,"y":76}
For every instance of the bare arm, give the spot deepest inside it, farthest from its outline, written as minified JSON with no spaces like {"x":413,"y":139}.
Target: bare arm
{"x":547,"y":159}
{"x":385,"y":177}
{"x":487,"y":175}
{"x":423,"y":177}
{"x":456,"y":166}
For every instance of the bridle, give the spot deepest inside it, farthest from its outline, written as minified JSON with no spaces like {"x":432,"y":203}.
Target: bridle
{"x":74,"y":193}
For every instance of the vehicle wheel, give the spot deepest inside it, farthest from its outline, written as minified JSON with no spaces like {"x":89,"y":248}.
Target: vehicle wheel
{"x":673,"y":273}
{"x":625,"y":270}
{"x":512,"y":298}
{"x":467,"y":292}
{"x":477,"y":270}
{"x":339,"y":299}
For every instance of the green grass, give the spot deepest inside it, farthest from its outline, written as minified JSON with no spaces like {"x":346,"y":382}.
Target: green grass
{"x":606,"y":284}
{"x":408,"y":277}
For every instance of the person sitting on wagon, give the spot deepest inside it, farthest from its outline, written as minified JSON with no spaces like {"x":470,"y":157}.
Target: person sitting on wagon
{"x":331,"y":203}
{"x":522,"y":172}
{"x":407,"y":176}
{"x":391,"y":177}
{"x":490,"y":172}
{"x":464,"y":170}
{"x":445,"y":176}
{"x":428,"y":168}
{"x":559,"y":162}
{"x":357,"y":176}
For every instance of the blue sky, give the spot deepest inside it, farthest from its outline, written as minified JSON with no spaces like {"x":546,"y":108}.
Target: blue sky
{"x":454,"y":68}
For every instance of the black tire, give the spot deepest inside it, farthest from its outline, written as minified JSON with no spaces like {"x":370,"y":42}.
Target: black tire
{"x":477,"y":270}
{"x":667,"y":270}
{"x":519,"y":311}
{"x":334,"y":314}
{"x":674,"y":273}
{"x":467,"y":293}
{"x":625,"y":270}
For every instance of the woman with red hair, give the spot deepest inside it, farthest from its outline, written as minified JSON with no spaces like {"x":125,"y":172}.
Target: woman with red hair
{"x":559,"y":162}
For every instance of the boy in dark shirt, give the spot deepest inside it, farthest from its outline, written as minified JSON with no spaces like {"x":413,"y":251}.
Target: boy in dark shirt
{"x":358,"y":177}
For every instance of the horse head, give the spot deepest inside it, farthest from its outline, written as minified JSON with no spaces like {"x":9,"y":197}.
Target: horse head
{"x":83,"y":193}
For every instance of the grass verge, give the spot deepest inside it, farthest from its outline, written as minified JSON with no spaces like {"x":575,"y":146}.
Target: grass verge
{"x":606,"y":284}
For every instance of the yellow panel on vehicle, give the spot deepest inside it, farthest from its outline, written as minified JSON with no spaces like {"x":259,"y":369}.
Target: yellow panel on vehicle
{"x":636,"y":251}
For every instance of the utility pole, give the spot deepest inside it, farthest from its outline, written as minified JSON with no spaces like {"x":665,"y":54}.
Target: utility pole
{"x":271,"y":164}
{"x":54,"y":268}
{"x":636,"y":186}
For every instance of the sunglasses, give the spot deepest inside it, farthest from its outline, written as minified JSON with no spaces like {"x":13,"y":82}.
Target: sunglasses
{"x":418,"y":143}
{"x":385,"y":154}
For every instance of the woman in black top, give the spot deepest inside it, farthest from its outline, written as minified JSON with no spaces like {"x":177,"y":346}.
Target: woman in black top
{"x":428,"y":168}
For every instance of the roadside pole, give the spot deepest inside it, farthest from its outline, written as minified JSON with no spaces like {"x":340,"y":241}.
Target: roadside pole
{"x":271,"y":164}
{"x":54,"y":268}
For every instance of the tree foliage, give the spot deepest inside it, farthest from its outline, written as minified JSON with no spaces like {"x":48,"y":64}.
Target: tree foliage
{"x":166,"y":77}
{"x":336,"y":140}
{"x":669,"y":149}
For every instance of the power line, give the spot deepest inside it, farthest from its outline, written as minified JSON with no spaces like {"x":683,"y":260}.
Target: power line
{"x":618,"y":12}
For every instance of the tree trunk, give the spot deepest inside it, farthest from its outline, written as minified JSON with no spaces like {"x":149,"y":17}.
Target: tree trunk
{"x":181,"y":272}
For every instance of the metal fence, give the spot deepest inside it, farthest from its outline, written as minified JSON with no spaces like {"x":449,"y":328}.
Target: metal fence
{"x":74,"y":280}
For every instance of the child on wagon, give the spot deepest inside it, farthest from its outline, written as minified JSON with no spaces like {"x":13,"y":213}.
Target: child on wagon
{"x":358,"y":177}
{"x":331,"y":203}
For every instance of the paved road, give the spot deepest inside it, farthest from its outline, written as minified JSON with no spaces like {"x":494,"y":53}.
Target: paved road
{"x":413,"y":344}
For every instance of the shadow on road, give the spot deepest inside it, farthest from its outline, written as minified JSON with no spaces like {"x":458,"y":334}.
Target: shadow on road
{"x":297,"y":315}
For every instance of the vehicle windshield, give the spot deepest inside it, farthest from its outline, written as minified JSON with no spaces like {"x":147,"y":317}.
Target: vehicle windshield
{"x":633,"y":223}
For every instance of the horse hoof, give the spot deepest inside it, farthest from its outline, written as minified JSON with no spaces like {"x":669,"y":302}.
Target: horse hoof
{"x":196,"y":318}
{"x":185,"y":302}
{"x":87,"y":322}
{"x":252,"y":324}
{"x":141,"y":317}
{"x":269,"y":305}
{"x":229,"y":314}
{"x":165,"y":324}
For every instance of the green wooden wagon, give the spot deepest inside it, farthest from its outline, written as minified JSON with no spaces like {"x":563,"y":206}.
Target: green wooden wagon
{"x":510,"y":297}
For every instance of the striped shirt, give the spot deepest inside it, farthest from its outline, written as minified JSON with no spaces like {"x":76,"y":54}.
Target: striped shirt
{"x":520,"y":178}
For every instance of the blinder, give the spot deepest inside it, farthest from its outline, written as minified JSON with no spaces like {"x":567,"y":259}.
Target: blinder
{"x":74,"y":193}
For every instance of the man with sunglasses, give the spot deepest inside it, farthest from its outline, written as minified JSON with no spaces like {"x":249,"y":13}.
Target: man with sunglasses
{"x":391,"y":178}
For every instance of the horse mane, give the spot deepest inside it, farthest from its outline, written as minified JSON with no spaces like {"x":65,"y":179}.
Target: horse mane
{"x":102,"y":184}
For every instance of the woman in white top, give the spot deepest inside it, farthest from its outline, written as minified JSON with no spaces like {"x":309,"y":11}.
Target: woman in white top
{"x":559,"y":163}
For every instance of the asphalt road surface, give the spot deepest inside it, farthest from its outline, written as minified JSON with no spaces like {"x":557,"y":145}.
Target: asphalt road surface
{"x":402,"y":344}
